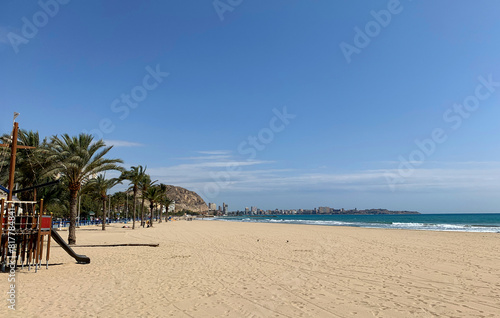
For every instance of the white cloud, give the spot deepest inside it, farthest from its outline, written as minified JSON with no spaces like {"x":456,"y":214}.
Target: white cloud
{"x":254,"y":177}
{"x":216,"y":152}
{"x":223,"y":155}
{"x":122,"y":143}
{"x":214,"y":157}
{"x":249,"y":179}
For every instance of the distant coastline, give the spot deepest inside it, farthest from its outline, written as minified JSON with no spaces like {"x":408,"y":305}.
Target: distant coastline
{"x":376,"y":212}
{"x":330,"y":212}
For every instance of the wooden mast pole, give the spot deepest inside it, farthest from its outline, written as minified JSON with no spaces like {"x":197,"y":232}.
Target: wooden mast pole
{"x":12,"y":161}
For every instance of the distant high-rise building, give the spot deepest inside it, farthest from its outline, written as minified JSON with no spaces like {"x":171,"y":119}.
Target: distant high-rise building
{"x":212,"y":206}
{"x":247,"y":210}
{"x":323,"y":210}
{"x":224,"y":208}
{"x":254,"y":209}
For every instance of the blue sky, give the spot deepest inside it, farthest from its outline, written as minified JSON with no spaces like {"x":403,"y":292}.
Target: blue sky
{"x":277,"y":104}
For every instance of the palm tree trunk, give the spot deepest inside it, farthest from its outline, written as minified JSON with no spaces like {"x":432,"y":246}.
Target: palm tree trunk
{"x":142,"y":211}
{"x":72,"y":216}
{"x":160,"y":213}
{"x":135,"y":209}
{"x":103,"y":214}
{"x":152,"y":215}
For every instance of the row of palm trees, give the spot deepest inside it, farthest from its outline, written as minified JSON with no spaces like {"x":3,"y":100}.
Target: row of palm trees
{"x":139,"y":182}
{"x":80,"y":163}
{"x":156,"y":194}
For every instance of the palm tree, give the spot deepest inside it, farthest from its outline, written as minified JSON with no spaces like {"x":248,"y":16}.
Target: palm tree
{"x":118,"y":200}
{"x":55,"y":198}
{"x":99,"y":187}
{"x":153,"y":194}
{"x":135,"y":176}
{"x":144,"y":185}
{"x":30,"y":164}
{"x":77,"y":159}
{"x":163,"y":192}
{"x":166,"y":201}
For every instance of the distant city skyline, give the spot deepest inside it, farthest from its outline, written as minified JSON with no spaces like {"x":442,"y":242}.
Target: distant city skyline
{"x":274,"y":104}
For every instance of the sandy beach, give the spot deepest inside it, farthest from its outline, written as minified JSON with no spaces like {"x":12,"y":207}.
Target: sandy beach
{"x":229,"y":269}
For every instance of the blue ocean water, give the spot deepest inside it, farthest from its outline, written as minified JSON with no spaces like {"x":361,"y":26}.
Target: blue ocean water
{"x":474,"y":222}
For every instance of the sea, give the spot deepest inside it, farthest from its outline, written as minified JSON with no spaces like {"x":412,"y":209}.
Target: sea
{"x":473,"y":222}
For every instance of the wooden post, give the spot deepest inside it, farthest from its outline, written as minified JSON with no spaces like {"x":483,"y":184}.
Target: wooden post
{"x":12,"y":168}
{"x":49,"y":236}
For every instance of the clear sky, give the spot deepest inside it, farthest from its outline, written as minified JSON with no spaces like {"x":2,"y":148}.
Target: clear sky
{"x":272,"y":103}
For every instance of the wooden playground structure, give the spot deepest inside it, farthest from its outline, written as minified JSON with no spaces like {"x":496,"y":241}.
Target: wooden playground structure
{"x":26,"y":232}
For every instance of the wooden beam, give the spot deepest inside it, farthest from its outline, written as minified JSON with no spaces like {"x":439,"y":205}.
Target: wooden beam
{"x":18,"y":147}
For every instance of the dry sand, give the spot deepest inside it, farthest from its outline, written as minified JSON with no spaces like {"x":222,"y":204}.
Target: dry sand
{"x":227,"y":269}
